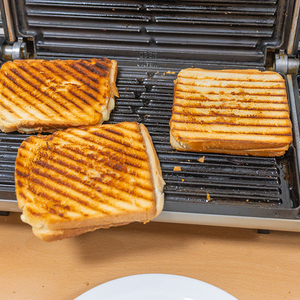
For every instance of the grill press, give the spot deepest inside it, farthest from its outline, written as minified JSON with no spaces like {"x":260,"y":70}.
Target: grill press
{"x":152,"y":41}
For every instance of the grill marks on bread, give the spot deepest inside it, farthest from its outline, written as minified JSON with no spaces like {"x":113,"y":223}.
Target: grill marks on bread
{"x":60,"y":93}
{"x":84,"y":172}
{"x":230,"y":109}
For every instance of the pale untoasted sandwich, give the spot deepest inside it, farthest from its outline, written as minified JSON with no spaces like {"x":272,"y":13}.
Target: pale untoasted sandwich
{"x":243,"y":112}
{"x":82,"y":179}
{"x":43,"y":96}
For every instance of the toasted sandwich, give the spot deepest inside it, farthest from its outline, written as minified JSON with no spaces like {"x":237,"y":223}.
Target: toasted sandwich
{"x":81,"y":179}
{"x":242,"y":112}
{"x":43,"y":96}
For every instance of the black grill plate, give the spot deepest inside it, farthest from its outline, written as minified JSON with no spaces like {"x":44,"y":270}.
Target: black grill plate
{"x":221,"y":184}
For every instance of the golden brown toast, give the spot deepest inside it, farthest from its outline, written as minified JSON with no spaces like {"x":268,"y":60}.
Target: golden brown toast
{"x":40,"y":95}
{"x":81,"y":179}
{"x":241,"y":112}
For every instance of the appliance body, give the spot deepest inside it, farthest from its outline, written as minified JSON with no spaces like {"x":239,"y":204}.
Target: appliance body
{"x":152,"y":41}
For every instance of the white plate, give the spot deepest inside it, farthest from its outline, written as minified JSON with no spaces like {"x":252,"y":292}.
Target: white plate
{"x":155,"y":287}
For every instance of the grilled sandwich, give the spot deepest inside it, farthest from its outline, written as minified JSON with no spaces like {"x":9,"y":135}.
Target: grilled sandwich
{"x":242,"y":112}
{"x":81,"y":179}
{"x":43,"y":96}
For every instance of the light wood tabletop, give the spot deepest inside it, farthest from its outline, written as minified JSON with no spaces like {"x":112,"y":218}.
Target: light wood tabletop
{"x":244,"y":263}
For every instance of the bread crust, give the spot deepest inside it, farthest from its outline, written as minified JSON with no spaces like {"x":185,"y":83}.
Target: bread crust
{"x":70,"y":107}
{"x":157,"y":178}
{"x":198,"y":147}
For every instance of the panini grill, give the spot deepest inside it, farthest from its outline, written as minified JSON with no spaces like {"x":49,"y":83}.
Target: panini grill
{"x":152,"y":41}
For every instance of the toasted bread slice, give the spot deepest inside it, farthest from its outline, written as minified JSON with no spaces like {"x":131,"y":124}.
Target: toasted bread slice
{"x":241,"y":112}
{"x":81,"y":179}
{"x":43,"y":96}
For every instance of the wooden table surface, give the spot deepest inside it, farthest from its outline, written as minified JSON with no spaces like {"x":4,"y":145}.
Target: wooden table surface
{"x":242,"y":262}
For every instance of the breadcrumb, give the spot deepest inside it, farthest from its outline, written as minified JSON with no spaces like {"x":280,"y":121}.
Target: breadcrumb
{"x":208,"y":196}
{"x":201,"y":159}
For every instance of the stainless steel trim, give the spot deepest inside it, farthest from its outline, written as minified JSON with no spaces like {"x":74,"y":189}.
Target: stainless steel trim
{"x":9,"y":205}
{"x":207,"y":219}
{"x":229,"y":221}
{"x":293,"y":31}
{"x":9,"y":21}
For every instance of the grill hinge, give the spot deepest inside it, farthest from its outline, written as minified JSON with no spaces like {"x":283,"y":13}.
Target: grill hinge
{"x":11,"y":46}
{"x":18,"y":50}
{"x":285,"y":64}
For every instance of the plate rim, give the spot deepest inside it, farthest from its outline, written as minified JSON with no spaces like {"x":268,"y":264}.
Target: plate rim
{"x":153,"y":275}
